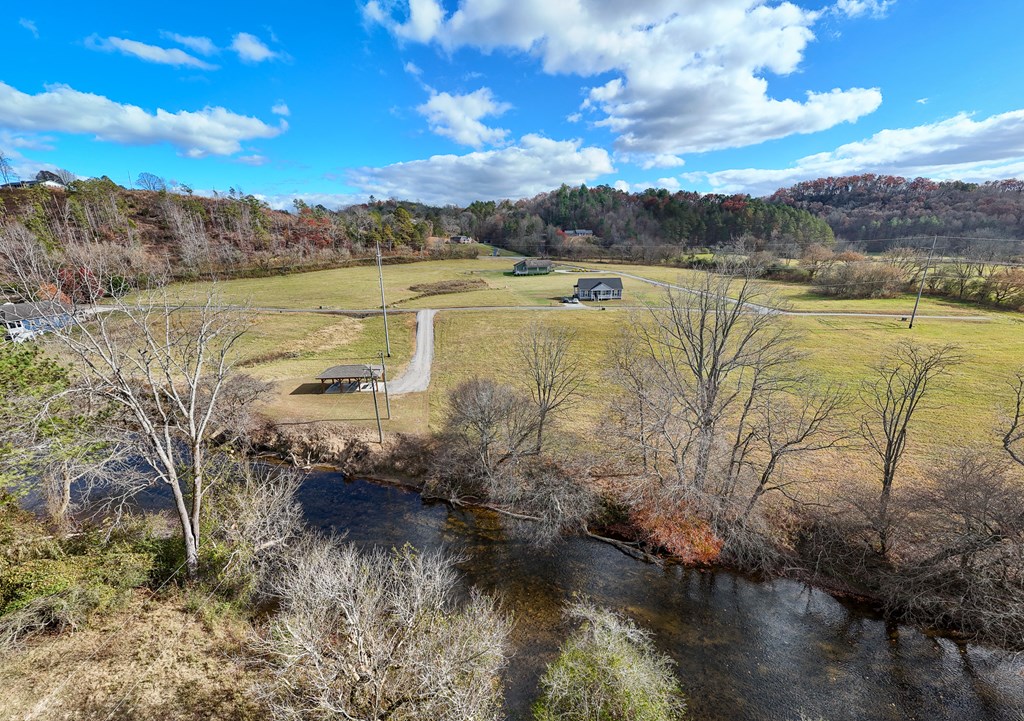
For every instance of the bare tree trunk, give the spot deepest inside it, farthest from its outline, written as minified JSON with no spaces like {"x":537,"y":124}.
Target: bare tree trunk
{"x":902,"y":380}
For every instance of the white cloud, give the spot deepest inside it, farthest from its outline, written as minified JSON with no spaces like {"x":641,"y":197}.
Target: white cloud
{"x":424,"y":22}
{"x":535,"y":165}
{"x":856,"y":8}
{"x":251,"y":49}
{"x":922,"y":101}
{"x":458,"y":117}
{"x":149,"y":53}
{"x":957,"y":148}
{"x":255,"y":160}
{"x":333,"y":201}
{"x":664,"y":160}
{"x":689,"y":75}
{"x":196,"y":43}
{"x":669,"y":183}
{"x":30,"y":26}
{"x":413,"y":69}
{"x":574,"y":117}
{"x":281,"y":108}
{"x":210,"y":131}
{"x":621,"y":185}
{"x":10,"y":141}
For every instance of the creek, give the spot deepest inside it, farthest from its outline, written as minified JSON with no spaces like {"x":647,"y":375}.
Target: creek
{"x":746,"y":650}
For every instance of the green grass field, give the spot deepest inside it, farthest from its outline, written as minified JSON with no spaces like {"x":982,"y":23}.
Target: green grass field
{"x":357,"y":288}
{"x":290,"y":349}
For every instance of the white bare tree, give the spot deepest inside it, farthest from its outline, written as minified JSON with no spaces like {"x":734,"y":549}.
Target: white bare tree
{"x":381,"y":637}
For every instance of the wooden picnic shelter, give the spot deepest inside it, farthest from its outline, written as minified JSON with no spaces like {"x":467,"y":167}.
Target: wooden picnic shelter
{"x":349,"y":374}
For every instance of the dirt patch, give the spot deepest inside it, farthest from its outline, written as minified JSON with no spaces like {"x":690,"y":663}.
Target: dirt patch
{"x":444,"y":287}
{"x":155,"y":660}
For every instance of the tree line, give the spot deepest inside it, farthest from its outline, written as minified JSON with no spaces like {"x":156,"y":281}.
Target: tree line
{"x":881,"y":207}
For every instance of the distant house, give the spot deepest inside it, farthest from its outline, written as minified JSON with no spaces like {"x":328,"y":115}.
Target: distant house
{"x":599,"y":289}
{"x":463,"y":239}
{"x":43,"y":177}
{"x":578,"y":232}
{"x":532,"y":266}
{"x":24,"y":321}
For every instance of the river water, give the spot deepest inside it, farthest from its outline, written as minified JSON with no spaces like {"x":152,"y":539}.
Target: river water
{"x":745,"y":650}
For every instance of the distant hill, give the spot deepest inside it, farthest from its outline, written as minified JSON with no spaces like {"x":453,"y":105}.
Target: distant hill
{"x":876,"y":207}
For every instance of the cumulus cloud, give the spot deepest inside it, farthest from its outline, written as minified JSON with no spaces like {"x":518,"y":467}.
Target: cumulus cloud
{"x":663,"y":160}
{"x":956,"y":148}
{"x":281,"y":108}
{"x":149,"y":53}
{"x":458,"y":117}
{"x":688,"y":75}
{"x":872,"y":8}
{"x":30,"y":26}
{"x":251,"y":49}
{"x":210,"y":131}
{"x":532,"y":166}
{"x":195,"y":43}
{"x":413,"y":69}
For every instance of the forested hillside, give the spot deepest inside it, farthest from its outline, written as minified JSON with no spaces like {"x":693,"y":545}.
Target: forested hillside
{"x":880,"y":207}
{"x":649,"y":225}
{"x":153,"y":231}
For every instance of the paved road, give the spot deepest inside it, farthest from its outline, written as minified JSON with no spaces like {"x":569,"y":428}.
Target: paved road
{"x":416,"y":378}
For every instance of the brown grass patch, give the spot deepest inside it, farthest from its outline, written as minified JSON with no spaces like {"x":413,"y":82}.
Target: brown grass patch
{"x":345,"y":331}
{"x":155,"y":660}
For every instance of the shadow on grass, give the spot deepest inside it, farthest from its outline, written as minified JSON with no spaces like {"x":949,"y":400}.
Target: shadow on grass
{"x":308,"y":389}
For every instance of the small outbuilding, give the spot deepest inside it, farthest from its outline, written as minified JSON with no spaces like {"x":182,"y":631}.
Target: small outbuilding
{"x":599,"y":289}
{"x":351,"y":378}
{"x":533,"y":266}
{"x":24,"y":321}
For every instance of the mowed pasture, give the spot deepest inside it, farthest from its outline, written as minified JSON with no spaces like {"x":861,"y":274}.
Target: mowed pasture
{"x":290,"y":349}
{"x":357,"y":288}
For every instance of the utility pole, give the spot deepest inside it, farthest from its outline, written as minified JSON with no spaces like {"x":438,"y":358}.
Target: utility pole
{"x":383,"y":304}
{"x":384,"y":377}
{"x":376,"y":408}
{"x":924,"y":276}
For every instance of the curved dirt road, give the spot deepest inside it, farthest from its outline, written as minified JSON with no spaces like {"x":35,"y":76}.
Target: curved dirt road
{"x":417,"y":376}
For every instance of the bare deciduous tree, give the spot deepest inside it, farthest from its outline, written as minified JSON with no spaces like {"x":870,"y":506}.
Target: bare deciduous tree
{"x":168,"y":369}
{"x":1013,"y":440}
{"x":492,"y":423}
{"x":717,"y":411}
{"x":378,"y":636}
{"x":6,"y":168}
{"x":900,"y":382}
{"x":149,"y":181}
{"x":554,"y":371}
{"x":965,"y":567}
{"x":703,"y":350}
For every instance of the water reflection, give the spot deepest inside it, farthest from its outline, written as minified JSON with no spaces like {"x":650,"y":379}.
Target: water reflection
{"x":745,"y":650}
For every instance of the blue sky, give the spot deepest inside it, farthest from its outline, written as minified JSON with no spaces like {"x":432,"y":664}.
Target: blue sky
{"x":447,"y":102}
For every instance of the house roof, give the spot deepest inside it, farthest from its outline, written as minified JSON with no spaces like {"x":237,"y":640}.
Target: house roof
{"x":535,"y":263}
{"x":591,"y":283}
{"x":27,"y":311}
{"x":341,"y":372}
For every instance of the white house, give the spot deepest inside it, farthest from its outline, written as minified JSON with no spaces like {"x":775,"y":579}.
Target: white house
{"x":599,"y":289}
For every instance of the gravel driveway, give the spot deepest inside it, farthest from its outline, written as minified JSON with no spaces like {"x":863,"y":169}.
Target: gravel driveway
{"x":416,"y":378}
